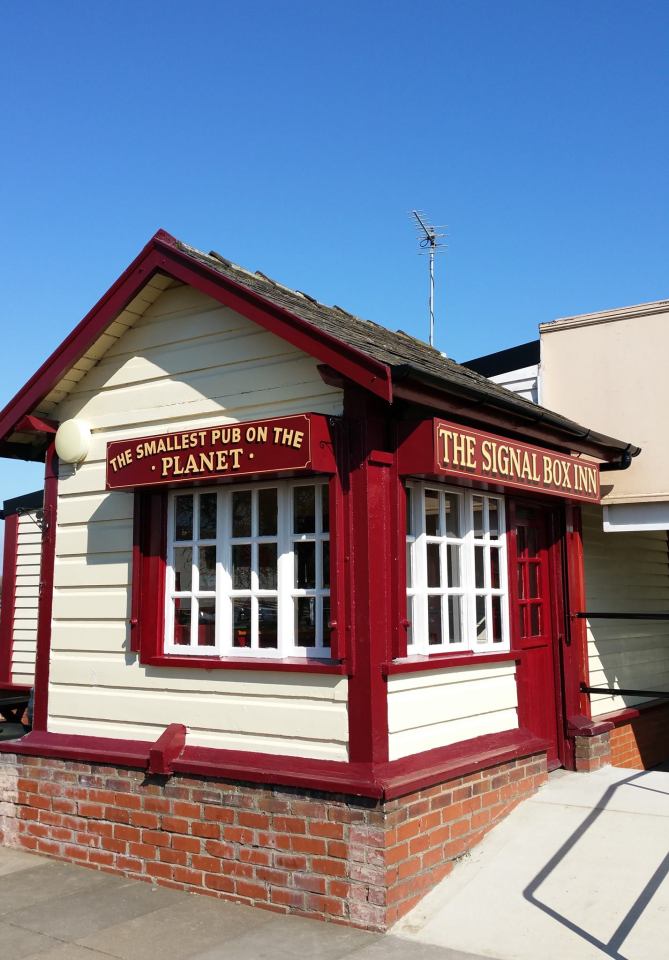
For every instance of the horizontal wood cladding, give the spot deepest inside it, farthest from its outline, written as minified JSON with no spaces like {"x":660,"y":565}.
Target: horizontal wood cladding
{"x":442,"y":707}
{"x":629,"y":573}
{"x":24,"y":634}
{"x":185,"y":363}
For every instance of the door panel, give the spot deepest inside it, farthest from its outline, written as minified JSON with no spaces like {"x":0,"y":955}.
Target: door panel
{"x":535,"y":571}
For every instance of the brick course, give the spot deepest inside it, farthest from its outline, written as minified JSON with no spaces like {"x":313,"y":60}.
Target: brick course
{"x":346,"y":859}
{"x":642,"y":742}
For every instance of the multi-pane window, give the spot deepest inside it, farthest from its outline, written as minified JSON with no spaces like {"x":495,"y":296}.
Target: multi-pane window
{"x":456,"y":570}
{"x":248,"y":571}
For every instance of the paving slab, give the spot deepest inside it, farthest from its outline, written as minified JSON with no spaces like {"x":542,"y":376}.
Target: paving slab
{"x":14,"y":860}
{"x":578,"y":872}
{"x":46,"y":881}
{"x":18,"y":943}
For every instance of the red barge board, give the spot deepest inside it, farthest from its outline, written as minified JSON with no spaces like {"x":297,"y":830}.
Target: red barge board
{"x":253,"y":447}
{"x":439,"y":448}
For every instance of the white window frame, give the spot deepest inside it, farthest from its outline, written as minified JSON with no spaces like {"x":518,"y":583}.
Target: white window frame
{"x":286,"y":592}
{"x":418,"y":590}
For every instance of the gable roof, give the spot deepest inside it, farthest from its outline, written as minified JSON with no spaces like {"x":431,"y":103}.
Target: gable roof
{"x":378,"y":360}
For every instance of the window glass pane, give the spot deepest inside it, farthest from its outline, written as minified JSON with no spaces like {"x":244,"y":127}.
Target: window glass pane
{"x":409,"y":569}
{"x":433,"y":566}
{"x":305,"y":565}
{"x":477,"y":504}
{"x":305,"y":621}
{"x":452,"y":506}
{"x":241,"y":513}
{"x":521,"y":542}
{"x":432,"y":513}
{"x":494,"y":568}
{"x":304,"y":509}
{"x":208,"y":516}
{"x":182,"y":610}
{"x":409,"y":510}
{"x":532,"y":542}
{"x":496,"y":619}
{"x":410,"y":606}
{"x":183,"y":568}
{"x":268,"y":637}
{"x":183,"y":517}
{"x":206,"y":623}
{"x":481,"y":627}
{"x":493,"y":518}
{"x":326,"y":621}
{"x":267,"y":566}
{"x":521,"y":582}
{"x":453,"y":554}
{"x":267,"y":512}
{"x":455,"y":619}
{"x":434,"y":620}
{"x":325,"y":508}
{"x":326,"y":564}
{"x":207,"y":567}
{"x":241,"y":622}
{"x":479,"y":576}
{"x":241,"y":566}
{"x":535,"y":624}
{"x":533,"y":575}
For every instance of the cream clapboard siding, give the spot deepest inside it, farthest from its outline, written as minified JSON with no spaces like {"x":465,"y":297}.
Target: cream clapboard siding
{"x":24,"y":635}
{"x":188,"y":362}
{"x":629,"y":573}
{"x":440,"y":707}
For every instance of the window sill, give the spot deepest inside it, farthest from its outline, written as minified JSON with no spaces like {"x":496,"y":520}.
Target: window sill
{"x":288,"y":664}
{"x":441,"y":661}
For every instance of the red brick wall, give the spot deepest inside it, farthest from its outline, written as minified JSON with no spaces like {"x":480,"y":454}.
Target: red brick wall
{"x":644,"y":741}
{"x":339,"y":858}
{"x":591,"y":753}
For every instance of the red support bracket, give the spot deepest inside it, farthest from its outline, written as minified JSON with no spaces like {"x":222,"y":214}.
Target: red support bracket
{"x":33,"y":424}
{"x":168,"y":747}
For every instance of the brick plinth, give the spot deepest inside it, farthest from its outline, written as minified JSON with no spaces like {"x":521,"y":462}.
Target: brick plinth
{"x":591,"y":753}
{"x":643,"y":741}
{"x":340,"y":858}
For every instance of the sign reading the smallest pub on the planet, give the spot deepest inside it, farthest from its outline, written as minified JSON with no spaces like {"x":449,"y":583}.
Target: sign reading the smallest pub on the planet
{"x":232,"y":449}
{"x":484,"y":456}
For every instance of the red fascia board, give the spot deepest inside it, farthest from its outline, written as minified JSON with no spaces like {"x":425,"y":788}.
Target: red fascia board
{"x":448,"y":661}
{"x":161,"y":254}
{"x":267,"y":664}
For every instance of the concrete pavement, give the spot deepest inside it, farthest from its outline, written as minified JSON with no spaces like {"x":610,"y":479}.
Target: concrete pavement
{"x":578,"y":872}
{"x":58,"y":911}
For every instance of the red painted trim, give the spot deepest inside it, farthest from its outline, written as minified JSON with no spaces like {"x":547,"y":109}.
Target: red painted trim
{"x":8,"y":610}
{"x":162,"y":254}
{"x":36,"y":425}
{"x":340,"y":629}
{"x":449,"y":661}
{"x":169,"y":745}
{"x":148,"y":579}
{"x":620,"y":717}
{"x":16,"y":687}
{"x":288,"y":665}
{"x":385,"y":781}
{"x":43,"y":657}
{"x":576,"y":661}
{"x":583,"y":727}
{"x":418,"y":772}
{"x":398,"y":596}
{"x":370,"y":576}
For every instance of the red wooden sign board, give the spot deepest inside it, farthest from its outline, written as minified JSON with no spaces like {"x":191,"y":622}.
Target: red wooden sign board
{"x":439,"y":448}
{"x":296,"y":443}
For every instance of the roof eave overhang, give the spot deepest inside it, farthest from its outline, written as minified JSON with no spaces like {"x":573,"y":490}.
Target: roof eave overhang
{"x":162,"y":254}
{"x":416,"y":386}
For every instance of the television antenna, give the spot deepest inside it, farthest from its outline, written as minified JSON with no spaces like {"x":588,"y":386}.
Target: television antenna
{"x":429,"y":242}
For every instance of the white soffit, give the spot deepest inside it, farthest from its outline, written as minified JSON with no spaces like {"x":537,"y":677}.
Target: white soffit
{"x":628,"y":517}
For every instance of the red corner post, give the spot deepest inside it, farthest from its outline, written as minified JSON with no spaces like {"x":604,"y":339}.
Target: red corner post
{"x":41,"y":711}
{"x":369,"y":573}
{"x":8,"y":597}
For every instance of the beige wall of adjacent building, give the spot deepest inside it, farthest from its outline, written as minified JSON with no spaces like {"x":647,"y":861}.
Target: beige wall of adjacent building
{"x":186,"y":362}
{"x":608,"y":370}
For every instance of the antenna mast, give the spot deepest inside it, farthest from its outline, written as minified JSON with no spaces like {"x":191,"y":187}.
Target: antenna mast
{"x":429,"y":242}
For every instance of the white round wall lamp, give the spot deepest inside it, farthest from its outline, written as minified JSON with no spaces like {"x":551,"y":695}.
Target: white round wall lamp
{"x":73,"y":441}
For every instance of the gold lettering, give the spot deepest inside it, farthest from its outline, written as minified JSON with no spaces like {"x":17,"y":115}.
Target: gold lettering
{"x":486,"y":454}
{"x":167,"y":463}
{"x":535,"y":469}
{"x":526,"y":472}
{"x":262,"y":434}
{"x":445,"y":436}
{"x":503,"y":459}
{"x":236,"y":453}
{"x":548,"y":471}
{"x":515,"y":462}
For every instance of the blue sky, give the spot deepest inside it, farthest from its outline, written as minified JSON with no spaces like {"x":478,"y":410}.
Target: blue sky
{"x":294,"y":137}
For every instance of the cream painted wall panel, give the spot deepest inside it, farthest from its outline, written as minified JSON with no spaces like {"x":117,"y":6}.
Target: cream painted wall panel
{"x":188,"y":363}
{"x":440,"y":707}
{"x":629,"y":573}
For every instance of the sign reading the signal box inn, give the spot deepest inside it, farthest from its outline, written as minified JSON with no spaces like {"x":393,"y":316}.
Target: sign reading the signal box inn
{"x":438,"y":447}
{"x":294,"y":443}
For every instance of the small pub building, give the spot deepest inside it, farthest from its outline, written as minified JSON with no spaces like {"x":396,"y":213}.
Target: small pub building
{"x":305,"y":623}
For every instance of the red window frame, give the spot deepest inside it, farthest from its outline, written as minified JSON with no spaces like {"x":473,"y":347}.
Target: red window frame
{"x":147,"y":614}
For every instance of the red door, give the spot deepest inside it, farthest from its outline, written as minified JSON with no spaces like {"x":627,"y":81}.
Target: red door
{"x":536,"y":590}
